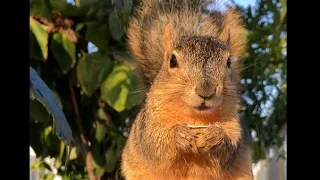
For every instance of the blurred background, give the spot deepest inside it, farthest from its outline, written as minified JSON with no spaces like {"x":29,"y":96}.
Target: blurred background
{"x":78,"y":49}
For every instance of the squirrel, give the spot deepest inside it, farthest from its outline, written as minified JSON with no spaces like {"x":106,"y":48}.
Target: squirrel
{"x":189,"y":125}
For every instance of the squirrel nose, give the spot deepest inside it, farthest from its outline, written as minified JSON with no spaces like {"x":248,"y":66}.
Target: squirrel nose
{"x":205,"y":91}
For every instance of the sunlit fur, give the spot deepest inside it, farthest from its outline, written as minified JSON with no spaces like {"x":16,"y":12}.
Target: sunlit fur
{"x":155,"y":33}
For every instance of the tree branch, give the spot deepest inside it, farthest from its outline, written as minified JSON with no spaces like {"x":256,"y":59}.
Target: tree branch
{"x":60,"y":24}
{"x":84,"y":148}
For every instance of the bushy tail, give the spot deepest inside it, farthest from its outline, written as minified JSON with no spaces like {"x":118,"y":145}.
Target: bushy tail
{"x":146,"y":28}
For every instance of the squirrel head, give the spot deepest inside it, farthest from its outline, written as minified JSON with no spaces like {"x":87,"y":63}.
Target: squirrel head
{"x":197,"y":72}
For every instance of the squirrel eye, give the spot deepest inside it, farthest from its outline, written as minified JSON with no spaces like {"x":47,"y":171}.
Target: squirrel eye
{"x":173,"y":61}
{"x":229,"y":62}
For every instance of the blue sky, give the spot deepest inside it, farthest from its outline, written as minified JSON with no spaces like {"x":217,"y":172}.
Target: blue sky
{"x":245,"y":2}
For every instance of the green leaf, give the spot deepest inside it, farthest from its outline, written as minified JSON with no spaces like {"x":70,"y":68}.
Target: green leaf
{"x":117,"y":90}
{"x":111,"y":158}
{"x":98,"y":34}
{"x":51,"y":142}
{"x":46,"y":134}
{"x":102,"y":115}
{"x":99,"y":172}
{"x":39,"y":112}
{"x":41,"y":35}
{"x":79,"y":26}
{"x":74,"y":152}
{"x":47,"y":176}
{"x":80,"y":3}
{"x":60,"y":5}
{"x":41,"y":8}
{"x":64,"y":51}
{"x":119,"y":140}
{"x":35,"y":51}
{"x":97,"y":158}
{"x":101,"y":132}
{"x":66,"y":8}
{"x":115,"y":28}
{"x":92,"y":70}
{"x":40,"y":165}
{"x":56,"y":94}
{"x":57,"y":163}
{"x":62,"y":149}
{"x":123,"y":9}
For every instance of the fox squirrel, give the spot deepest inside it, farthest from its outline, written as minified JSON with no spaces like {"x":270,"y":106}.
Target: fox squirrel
{"x":189,"y":125}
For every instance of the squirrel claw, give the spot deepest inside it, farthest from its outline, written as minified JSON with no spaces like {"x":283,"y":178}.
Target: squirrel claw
{"x":185,"y":140}
{"x":210,"y":137}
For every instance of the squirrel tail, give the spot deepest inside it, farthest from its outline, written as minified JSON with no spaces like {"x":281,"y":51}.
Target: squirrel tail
{"x":146,"y":28}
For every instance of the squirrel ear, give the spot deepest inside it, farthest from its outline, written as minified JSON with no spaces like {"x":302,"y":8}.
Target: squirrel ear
{"x":168,"y":37}
{"x":233,"y":32}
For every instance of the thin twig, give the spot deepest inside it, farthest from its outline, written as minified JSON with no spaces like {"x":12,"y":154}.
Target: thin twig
{"x":83,"y":140}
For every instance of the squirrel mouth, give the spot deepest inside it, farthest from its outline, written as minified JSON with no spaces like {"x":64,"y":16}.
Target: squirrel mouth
{"x":203,"y":107}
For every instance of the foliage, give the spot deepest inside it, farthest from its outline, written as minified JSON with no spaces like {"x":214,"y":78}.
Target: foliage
{"x":98,"y":90}
{"x":265,"y":74}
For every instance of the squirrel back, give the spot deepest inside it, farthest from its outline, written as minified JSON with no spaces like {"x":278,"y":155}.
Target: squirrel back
{"x":145,"y":30}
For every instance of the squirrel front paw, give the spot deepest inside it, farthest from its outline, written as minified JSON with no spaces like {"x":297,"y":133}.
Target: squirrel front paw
{"x":184,"y":139}
{"x":209,"y":137}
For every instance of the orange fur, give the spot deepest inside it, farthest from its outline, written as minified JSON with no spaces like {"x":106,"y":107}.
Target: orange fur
{"x":160,"y":145}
